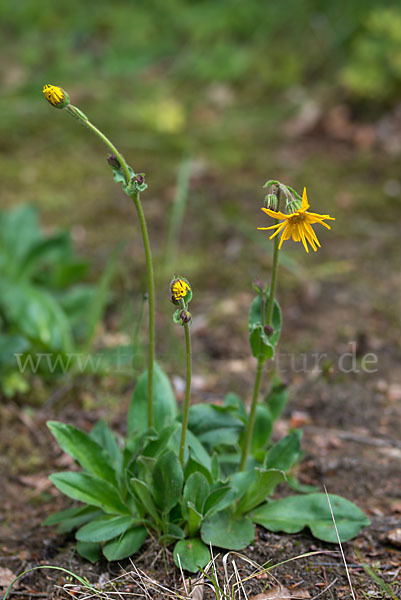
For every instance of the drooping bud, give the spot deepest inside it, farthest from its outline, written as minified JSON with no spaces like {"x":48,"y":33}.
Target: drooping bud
{"x":271,"y":201}
{"x":113,"y":161}
{"x":293,"y":206}
{"x":56,"y":96}
{"x":268,"y":329}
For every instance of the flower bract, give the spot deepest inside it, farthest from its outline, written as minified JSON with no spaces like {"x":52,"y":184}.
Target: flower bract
{"x":298,"y":224}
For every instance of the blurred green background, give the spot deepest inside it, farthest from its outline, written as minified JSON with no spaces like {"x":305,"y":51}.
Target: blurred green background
{"x":307,"y":92}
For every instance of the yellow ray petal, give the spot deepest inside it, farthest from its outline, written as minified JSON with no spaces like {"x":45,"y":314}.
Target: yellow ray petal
{"x":295,"y":233}
{"x":286,"y":234}
{"x":312,"y":233}
{"x":310,"y":215}
{"x":281,"y":227}
{"x":324,"y":224}
{"x":271,"y":227}
{"x":304,"y":205}
{"x":309,"y":237}
{"x":301,"y":233}
{"x":274,"y":214}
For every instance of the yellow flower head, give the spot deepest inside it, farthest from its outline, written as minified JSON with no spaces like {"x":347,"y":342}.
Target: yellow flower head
{"x":56,"y":96}
{"x":298,"y":224}
{"x":179,"y":288}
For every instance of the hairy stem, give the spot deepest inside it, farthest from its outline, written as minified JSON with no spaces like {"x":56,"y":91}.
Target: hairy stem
{"x":135,"y":197}
{"x":259,"y":370}
{"x":251,"y":419}
{"x":151,"y":290}
{"x":187,"y":387}
{"x":273,"y":281}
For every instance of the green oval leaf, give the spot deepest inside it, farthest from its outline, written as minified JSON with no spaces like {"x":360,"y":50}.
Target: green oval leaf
{"x":277,"y":398}
{"x":260,"y":344}
{"x":214,"y":500}
{"x":172,"y":534}
{"x":236,"y":405}
{"x":103,"y":435}
{"x":91,"y":490}
{"x":194,"y":519}
{"x":145,"y":499}
{"x":193,"y":466}
{"x":197,"y":450}
{"x":262,"y":430}
{"x":255,"y":317}
{"x":126,"y":544}
{"x":195,"y":490}
{"x":193,"y":553}
{"x":84,"y":449}
{"x":168,"y":479}
{"x":214,"y":425}
{"x":263,"y":485}
{"x":89,"y":551}
{"x":72,"y":518}
{"x":286,"y":452}
{"x":156,"y":447}
{"x":223,"y":530}
{"x":40,"y":318}
{"x":164,"y":404}
{"x":104,"y":528}
{"x":293,"y":513}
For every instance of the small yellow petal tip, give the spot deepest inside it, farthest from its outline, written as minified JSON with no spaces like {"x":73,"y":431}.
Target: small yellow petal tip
{"x":56,"y":96}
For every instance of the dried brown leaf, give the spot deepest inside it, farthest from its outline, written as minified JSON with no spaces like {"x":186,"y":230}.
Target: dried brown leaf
{"x":280,"y":592}
{"x":6,"y":577}
{"x":198,"y":589}
{"x":394,"y":537}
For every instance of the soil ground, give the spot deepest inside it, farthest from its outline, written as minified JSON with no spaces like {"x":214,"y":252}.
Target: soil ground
{"x":344,"y":301}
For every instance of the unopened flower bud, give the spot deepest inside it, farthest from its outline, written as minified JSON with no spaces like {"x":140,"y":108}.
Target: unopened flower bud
{"x":138,"y":182}
{"x":185,"y":317}
{"x":293,"y":206}
{"x":258,"y":286}
{"x":179,"y":288}
{"x":271,"y":201}
{"x":56,"y":96}
{"x":113,"y":161}
{"x":268,"y":329}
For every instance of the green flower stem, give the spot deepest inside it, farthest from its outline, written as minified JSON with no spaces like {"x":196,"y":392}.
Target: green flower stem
{"x":261,"y":362}
{"x":187,"y":388}
{"x":251,"y":418}
{"x":263,"y":308}
{"x":151,"y":290}
{"x":273,"y":282}
{"x":78,"y":114}
{"x":135,"y":197}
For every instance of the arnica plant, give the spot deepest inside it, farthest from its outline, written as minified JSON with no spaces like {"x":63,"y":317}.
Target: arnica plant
{"x":204,"y":476}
